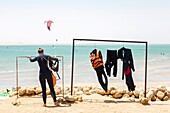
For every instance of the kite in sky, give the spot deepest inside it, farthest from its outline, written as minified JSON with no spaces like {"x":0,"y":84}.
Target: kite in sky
{"x":49,"y":22}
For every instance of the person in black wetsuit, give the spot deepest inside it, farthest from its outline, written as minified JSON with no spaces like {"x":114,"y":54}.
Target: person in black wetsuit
{"x":45,"y":74}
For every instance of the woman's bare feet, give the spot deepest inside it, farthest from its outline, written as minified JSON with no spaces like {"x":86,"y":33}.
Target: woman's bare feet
{"x":44,"y":105}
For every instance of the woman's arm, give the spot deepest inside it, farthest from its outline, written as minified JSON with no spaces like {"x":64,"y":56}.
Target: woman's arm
{"x":32,"y":59}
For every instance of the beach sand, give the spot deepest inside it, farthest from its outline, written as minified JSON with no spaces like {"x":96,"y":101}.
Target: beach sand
{"x":91,"y":104}
{"x":94,"y":103}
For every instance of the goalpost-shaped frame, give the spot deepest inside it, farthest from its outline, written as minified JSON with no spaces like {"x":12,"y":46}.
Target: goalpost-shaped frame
{"x":146,"y":57}
{"x":17,"y":68}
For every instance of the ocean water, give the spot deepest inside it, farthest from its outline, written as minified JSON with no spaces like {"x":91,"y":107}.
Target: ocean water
{"x":158,"y":63}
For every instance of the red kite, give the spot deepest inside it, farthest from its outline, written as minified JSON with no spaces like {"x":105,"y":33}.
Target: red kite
{"x":49,"y":22}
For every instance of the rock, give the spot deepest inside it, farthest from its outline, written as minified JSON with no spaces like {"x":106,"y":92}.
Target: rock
{"x":165,"y":98}
{"x":48,"y":92}
{"x":87,"y":93}
{"x":141,"y":95}
{"x":38,"y":90}
{"x":117,"y":95}
{"x":101,"y":92}
{"x":80,"y":88}
{"x":125,"y":96}
{"x":30,"y":91}
{"x":22,"y":91}
{"x":113,"y":92}
{"x":122,"y":91}
{"x":112,"y":88}
{"x":168,"y":94}
{"x":108,"y":92}
{"x":16,"y":103}
{"x":161,"y":88}
{"x":76,"y":86}
{"x":160,"y":95}
{"x":153,"y":98}
{"x":144,"y":101}
{"x":80,"y":99}
{"x":136,"y":94}
{"x":92,"y":91}
{"x":150,"y":94}
{"x":76,"y":98}
{"x":79,"y":93}
{"x":70,"y":99}
{"x":86,"y":89}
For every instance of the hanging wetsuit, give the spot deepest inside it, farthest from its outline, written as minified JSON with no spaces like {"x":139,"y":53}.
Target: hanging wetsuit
{"x":97,"y":64}
{"x":126,"y":56}
{"x":111,"y":61}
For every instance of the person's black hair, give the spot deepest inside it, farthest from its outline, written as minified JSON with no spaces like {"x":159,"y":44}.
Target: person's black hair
{"x":40,"y":50}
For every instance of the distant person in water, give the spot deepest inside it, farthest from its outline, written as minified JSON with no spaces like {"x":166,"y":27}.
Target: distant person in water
{"x":45,"y":74}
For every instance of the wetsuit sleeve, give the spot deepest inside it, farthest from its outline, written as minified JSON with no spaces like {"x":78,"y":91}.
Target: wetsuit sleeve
{"x":131,"y":61}
{"x":33,"y":59}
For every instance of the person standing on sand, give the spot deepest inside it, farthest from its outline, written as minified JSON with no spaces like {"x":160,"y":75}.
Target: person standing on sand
{"x":45,"y":74}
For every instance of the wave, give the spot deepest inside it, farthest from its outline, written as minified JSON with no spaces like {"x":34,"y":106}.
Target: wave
{"x":14,"y":71}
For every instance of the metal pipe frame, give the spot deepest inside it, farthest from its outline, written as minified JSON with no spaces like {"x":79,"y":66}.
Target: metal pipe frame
{"x":146,"y":56}
{"x":17,"y":68}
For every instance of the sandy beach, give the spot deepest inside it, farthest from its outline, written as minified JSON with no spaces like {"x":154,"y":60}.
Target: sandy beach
{"x":91,"y":103}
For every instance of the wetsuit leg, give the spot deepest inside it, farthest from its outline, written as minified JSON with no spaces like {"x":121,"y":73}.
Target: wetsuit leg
{"x":111,"y":60}
{"x":108,"y":64}
{"x":50,"y":83}
{"x":106,"y":80}
{"x":100,"y":71}
{"x":43,"y":86}
{"x":129,"y":82}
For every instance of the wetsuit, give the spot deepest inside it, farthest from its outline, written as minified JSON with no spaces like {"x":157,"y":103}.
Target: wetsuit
{"x":97,"y":64}
{"x":45,"y":74}
{"x":126,"y":56}
{"x":111,"y":61}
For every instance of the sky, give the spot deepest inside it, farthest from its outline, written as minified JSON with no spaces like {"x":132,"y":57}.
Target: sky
{"x":22,"y":21}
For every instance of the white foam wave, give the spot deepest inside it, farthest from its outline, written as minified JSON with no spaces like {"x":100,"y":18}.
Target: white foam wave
{"x":13,"y":71}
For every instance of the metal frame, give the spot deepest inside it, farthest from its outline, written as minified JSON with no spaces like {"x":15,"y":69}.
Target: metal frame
{"x":17,"y":68}
{"x":146,"y":56}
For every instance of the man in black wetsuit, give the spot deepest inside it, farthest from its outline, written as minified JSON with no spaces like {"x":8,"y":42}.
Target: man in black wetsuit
{"x":45,"y":74}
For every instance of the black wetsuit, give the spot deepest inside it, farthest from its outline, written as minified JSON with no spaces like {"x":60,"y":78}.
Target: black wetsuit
{"x":100,"y":74}
{"x":45,"y":74}
{"x":111,"y":61}
{"x":126,"y":56}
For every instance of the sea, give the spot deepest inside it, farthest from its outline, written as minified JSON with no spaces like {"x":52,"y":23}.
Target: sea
{"x":16,"y":68}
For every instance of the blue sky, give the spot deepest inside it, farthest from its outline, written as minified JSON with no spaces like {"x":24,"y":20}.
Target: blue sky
{"x":22,"y":21}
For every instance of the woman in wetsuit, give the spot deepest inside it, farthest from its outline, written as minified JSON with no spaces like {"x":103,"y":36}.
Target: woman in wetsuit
{"x":45,"y":74}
